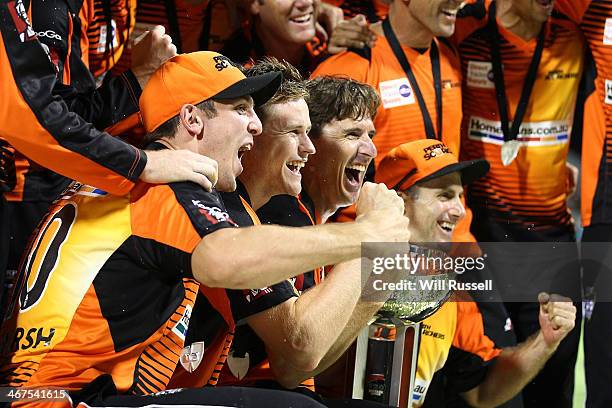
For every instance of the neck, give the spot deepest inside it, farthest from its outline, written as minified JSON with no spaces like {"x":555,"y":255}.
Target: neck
{"x":276,"y":47}
{"x":409,"y":31}
{"x":512,"y":20}
{"x":257,"y":189}
{"x":324,"y":208}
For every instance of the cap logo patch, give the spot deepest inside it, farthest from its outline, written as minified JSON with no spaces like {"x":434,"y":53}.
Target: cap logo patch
{"x":436,"y":150}
{"x":222,"y":62}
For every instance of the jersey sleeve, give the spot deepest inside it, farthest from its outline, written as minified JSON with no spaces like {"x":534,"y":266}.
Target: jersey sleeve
{"x":248,"y":302}
{"x":40,"y":125}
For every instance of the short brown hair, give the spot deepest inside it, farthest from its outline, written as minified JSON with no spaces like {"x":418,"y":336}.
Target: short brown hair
{"x":292,"y":87}
{"x":169,"y":127}
{"x":338,"y":98}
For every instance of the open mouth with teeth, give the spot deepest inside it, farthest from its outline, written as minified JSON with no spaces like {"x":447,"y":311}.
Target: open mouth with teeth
{"x":354,"y":172}
{"x":295,"y":166}
{"x":243,"y":149}
{"x":306,"y":18}
{"x":446,"y":226}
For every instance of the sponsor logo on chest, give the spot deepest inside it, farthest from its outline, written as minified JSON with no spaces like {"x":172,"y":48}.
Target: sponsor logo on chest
{"x":480,"y":75}
{"x":396,"y":92}
{"x":530,"y":133}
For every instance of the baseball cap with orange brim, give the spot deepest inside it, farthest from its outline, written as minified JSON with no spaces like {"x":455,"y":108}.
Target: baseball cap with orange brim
{"x":423,"y":160}
{"x":195,"y":77}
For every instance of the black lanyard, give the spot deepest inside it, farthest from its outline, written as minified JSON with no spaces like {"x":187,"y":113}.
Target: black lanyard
{"x":435,"y":70}
{"x":498,"y":78}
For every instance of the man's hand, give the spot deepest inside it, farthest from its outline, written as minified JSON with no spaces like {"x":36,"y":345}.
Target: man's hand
{"x":382,"y":211}
{"x":167,"y":166}
{"x":354,"y":33}
{"x":149,"y":51}
{"x":328,"y":17}
{"x":557,"y":318}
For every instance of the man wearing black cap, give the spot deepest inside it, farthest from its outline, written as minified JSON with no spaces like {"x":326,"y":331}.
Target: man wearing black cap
{"x":118,"y":290}
{"x":430,"y":180}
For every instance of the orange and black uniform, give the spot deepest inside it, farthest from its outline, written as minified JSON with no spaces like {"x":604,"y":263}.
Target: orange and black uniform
{"x":595,"y":125}
{"x":281,"y":210}
{"x":524,"y":201}
{"x":399,"y":118}
{"x":61,"y":28}
{"x":108,"y":289}
{"x":193,"y":25}
{"x":42,"y":126}
{"x":108,"y":33}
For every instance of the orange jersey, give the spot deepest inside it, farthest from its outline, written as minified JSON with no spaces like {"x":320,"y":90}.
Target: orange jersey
{"x":595,"y":19}
{"x":41,"y":126}
{"x":399,"y":119}
{"x":108,"y":33}
{"x":525,"y":200}
{"x":193,"y":24}
{"x":107,"y":288}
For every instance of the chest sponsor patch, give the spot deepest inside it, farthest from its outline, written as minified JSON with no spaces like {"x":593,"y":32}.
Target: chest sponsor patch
{"x":607,"y":35}
{"x":396,"y":92}
{"x":530,"y":133}
{"x":608,"y":98}
{"x":180,"y":328}
{"x":480,"y":75}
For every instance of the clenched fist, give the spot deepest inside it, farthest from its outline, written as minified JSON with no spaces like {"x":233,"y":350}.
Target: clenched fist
{"x":149,"y":51}
{"x":557,"y":317}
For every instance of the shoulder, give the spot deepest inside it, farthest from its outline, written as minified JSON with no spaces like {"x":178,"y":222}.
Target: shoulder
{"x":353,"y":63}
{"x":284,"y":210}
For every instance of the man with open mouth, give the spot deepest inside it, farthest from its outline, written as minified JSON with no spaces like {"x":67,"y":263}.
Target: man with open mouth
{"x":289,"y":332}
{"x":119,"y":294}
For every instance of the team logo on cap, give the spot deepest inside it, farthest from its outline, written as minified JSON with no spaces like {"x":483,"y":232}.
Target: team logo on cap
{"x":436,"y":150}
{"x":222,"y":62}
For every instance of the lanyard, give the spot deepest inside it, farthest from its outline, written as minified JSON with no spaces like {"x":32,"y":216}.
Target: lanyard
{"x":435,"y":70}
{"x":498,"y":77}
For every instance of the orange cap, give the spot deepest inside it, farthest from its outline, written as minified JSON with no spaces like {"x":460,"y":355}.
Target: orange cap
{"x":195,"y":77}
{"x":424,"y":160}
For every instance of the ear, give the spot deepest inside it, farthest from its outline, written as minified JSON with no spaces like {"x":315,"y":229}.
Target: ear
{"x":191,"y":120}
{"x":255,"y":7}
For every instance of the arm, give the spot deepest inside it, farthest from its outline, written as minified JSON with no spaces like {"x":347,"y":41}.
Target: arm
{"x":300,"y":330}
{"x":267,"y":254}
{"x":40,"y":125}
{"x":516,"y":366}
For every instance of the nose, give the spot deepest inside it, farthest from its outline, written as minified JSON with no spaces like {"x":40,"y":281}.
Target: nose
{"x":303,"y":4}
{"x":457,"y":210}
{"x":367,"y":147}
{"x":254,"y":127}
{"x":305,"y":146}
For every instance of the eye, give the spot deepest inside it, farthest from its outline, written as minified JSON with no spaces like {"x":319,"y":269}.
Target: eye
{"x":446,"y":195}
{"x":242,"y":109}
{"x":353,"y":136}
